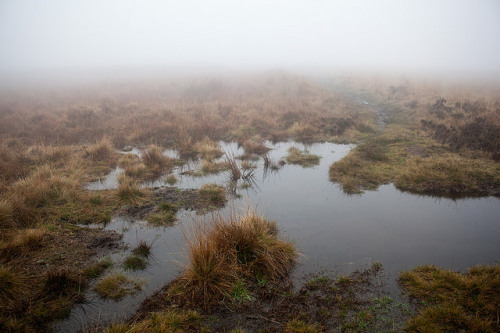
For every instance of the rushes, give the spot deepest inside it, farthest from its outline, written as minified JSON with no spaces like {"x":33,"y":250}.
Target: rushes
{"x":233,"y":166}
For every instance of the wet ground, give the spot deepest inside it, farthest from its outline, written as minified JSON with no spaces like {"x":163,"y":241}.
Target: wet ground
{"x":335,"y":232}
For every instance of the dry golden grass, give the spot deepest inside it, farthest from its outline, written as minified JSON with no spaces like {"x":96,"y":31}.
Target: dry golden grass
{"x":208,"y":149}
{"x":154,"y":158}
{"x":209,"y":166}
{"x":223,"y":251}
{"x":171,"y":320}
{"x":100,"y":151}
{"x":129,"y":191}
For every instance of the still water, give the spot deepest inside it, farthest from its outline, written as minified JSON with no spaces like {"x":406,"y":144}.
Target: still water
{"x":333,"y":231}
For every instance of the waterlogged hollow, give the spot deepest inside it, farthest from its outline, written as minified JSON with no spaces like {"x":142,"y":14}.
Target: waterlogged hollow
{"x":334,"y":231}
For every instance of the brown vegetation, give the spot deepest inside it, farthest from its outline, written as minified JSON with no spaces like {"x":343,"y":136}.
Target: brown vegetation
{"x":224,"y":251}
{"x":439,"y":140}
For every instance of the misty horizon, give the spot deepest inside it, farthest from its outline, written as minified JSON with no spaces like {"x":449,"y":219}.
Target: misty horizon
{"x":425,"y":37}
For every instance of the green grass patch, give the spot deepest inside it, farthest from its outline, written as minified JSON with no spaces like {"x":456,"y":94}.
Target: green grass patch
{"x":240,"y":293}
{"x":98,"y":268}
{"x":117,"y":286}
{"x":302,"y":157}
{"x":164,"y":214}
{"x":452,"y":301}
{"x":415,"y":164}
{"x":300,"y":326}
{"x":213,"y":194}
{"x":135,"y":262}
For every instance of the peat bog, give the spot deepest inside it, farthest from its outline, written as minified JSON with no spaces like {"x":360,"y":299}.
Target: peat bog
{"x":255,"y":203}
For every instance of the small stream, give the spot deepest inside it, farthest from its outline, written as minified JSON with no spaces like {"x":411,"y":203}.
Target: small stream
{"x":335,"y":232}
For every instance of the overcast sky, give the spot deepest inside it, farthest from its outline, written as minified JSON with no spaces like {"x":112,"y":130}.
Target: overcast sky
{"x":454,"y":35}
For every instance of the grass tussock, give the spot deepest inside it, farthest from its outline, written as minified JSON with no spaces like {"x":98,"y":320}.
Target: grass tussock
{"x":22,"y":242}
{"x":129,"y":191}
{"x":155,"y":160}
{"x":135,"y":263}
{"x":452,"y":301}
{"x":97,"y":269}
{"x":138,"y":259}
{"x":12,"y":284}
{"x":223,"y":252}
{"x":64,"y":282}
{"x":101,"y":151}
{"x":212,"y":167}
{"x":302,"y":157}
{"x":213,"y":194}
{"x":255,"y":145}
{"x":165,"y":215}
{"x":171,"y":180}
{"x":208,"y":149}
{"x":116,"y":287}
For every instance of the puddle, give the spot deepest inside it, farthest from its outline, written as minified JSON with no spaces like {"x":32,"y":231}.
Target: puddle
{"x":333,"y":231}
{"x":107,"y":183}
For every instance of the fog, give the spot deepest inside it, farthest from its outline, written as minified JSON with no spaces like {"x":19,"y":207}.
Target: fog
{"x":452,"y":36}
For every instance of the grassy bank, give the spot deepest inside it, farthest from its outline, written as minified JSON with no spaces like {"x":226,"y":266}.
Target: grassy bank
{"x":429,"y":146}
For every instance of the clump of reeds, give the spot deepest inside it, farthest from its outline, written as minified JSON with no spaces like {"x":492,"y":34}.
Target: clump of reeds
{"x":454,"y":301}
{"x":100,"y":151}
{"x":302,"y":157}
{"x":233,"y":166}
{"x":225,"y":251}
